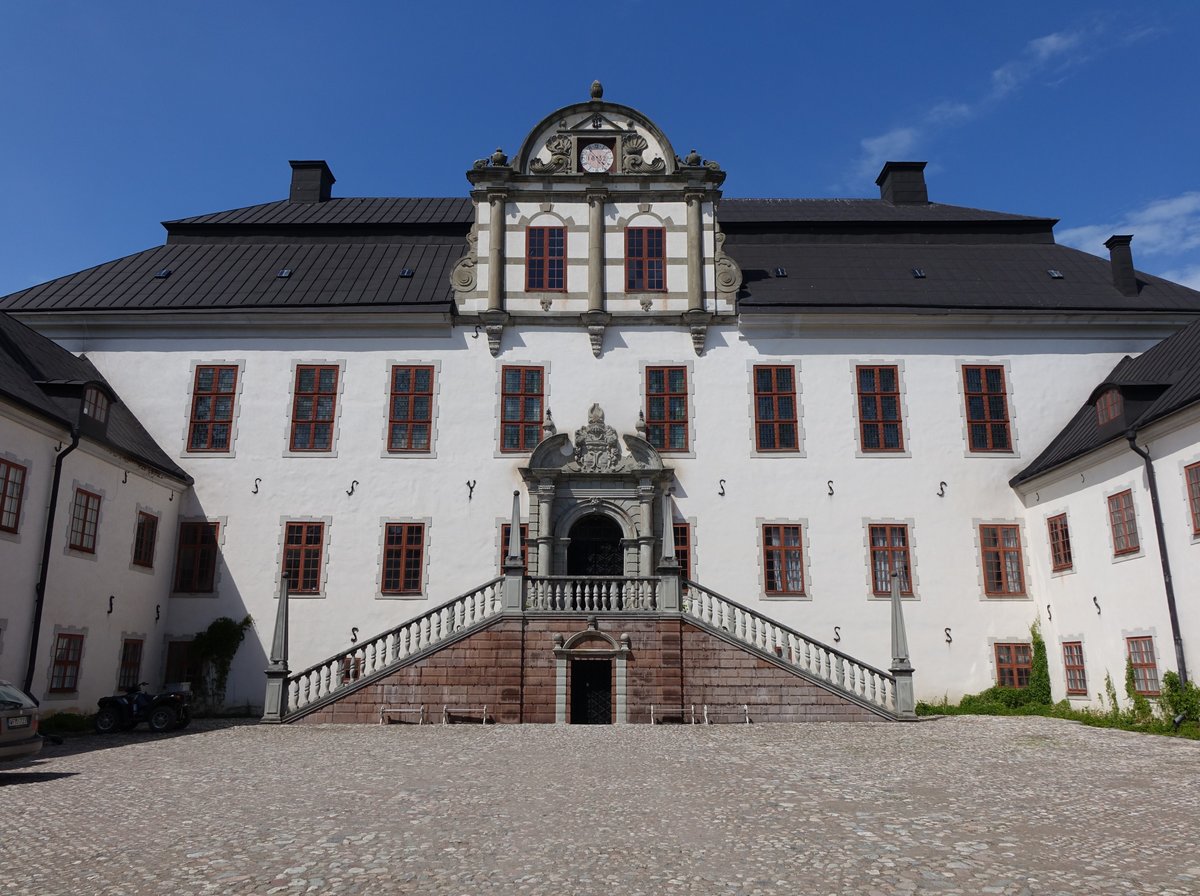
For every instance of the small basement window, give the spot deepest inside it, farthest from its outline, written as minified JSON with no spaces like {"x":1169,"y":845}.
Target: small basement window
{"x":1109,"y":406}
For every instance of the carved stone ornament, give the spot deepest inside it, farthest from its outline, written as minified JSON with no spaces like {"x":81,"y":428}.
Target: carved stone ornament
{"x":597,"y":449}
{"x":697,"y":323}
{"x":596,"y":322}
{"x":493,"y":325}
{"x":560,"y":156}
{"x":632,"y":147}
{"x":729,"y":273}
{"x":464,"y":277}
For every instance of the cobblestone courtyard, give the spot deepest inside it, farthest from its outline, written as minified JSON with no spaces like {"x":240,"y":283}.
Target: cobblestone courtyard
{"x":967,"y":805}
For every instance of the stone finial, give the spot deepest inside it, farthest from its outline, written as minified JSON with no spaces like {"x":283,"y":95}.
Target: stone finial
{"x":597,"y":90}
{"x":548,"y":428}
{"x":499,"y":158}
{"x":692,"y":159}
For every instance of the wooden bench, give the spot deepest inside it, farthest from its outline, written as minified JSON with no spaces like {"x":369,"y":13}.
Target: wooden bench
{"x":407,"y":710}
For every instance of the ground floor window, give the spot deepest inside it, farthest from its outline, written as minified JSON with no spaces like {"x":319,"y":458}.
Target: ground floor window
{"x":1073,"y":664}
{"x":64,"y":674}
{"x":179,"y":662}
{"x":131,"y":663}
{"x":403,"y":558}
{"x":1145,"y":667}
{"x":783,"y":562}
{"x":1014,"y":662}
{"x":303,"y":548}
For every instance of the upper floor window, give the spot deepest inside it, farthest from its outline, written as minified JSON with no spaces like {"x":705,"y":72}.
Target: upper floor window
{"x":95,"y":404}
{"x":403,"y":558}
{"x":879,"y":423}
{"x":313,"y":408}
{"x":131,"y":663}
{"x":1060,"y":543}
{"x":523,"y":534}
{"x":1002,"y":564}
{"x":667,"y":408}
{"x":1123,"y":523}
{"x":211,"y":423}
{"x":1145,"y":667}
{"x":68,"y":653}
{"x":410,"y":414}
{"x":143,"y":539}
{"x":85,"y":515}
{"x":988,"y":427}
{"x":1014,"y":663}
{"x":522,"y":391}
{"x":12,"y":487}
{"x":303,"y":550}
{"x":196,"y":558}
{"x":645,"y":259}
{"x":775,"y":426}
{"x":889,"y":554}
{"x":1076,"y":674}
{"x":1108,"y":406}
{"x":545,"y":259}
{"x":783,"y":560}
{"x":1192,"y":475}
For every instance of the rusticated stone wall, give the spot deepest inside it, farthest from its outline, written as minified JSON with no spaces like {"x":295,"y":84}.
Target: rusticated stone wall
{"x":510,"y":667}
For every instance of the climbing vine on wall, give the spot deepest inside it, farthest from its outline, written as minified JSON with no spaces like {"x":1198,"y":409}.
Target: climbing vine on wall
{"x":212,"y":652}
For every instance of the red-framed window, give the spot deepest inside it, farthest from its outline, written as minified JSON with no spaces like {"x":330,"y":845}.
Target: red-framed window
{"x":522,"y":404}
{"x":12,"y":488}
{"x":131,"y":663}
{"x":179,"y":666}
{"x":314,"y":405}
{"x":505,"y":528}
{"x":889,"y":553}
{"x":410,"y":413}
{"x":667,"y":408}
{"x":196,"y":559}
{"x":775,"y":426}
{"x":64,"y":673}
{"x":403,"y":558}
{"x":1060,"y":543}
{"x":95,"y":404}
{"x":85,"y":516}
{"x":1191,"y":475}
{"x":1003,"y":573}
{"x":1108,"y":406}
{"x":1145,"y":666}
{"x":144,"y":537}
{"x":545,"y":259}
{"x":210,"y":427}
{"x":1014,"y":662}
{"x":783,"y":559}
{"x":645,"y":259}
{"x":1123,"y":523}
{"x":303,"y":550}
{"x":1076,"y":674}
{"x":987,"y":408}
{"x":683,"y":548}
{"x":879,"y":424}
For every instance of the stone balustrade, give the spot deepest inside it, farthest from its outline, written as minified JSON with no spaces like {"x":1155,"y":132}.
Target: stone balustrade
{"x":592,"y":594}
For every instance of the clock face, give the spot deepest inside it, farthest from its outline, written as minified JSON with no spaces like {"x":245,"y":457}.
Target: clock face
{"x":595,"y":158}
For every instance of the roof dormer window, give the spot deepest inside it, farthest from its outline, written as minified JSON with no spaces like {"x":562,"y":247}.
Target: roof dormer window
{"x":95,"y":404}
{"x":1108,"y":406}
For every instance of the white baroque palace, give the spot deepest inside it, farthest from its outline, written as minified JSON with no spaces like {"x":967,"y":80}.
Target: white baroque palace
{"x":347,"y":392}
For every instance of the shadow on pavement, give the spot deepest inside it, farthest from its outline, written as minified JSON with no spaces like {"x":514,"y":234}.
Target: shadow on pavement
{"x":7,"y":778}
{"x":87,"y":743}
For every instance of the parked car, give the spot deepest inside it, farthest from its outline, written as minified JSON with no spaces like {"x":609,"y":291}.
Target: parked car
{"x":19,"y":737}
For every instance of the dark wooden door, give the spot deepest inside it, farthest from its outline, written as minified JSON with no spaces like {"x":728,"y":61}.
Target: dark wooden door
{"x":595,"y":548}
{"x":591,"y":692}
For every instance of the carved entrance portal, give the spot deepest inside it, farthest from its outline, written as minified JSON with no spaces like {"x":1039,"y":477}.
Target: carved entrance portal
{"x":595,"y":509}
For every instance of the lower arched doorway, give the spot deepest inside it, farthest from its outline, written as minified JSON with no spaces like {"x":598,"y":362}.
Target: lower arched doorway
{"x":595,"y":547}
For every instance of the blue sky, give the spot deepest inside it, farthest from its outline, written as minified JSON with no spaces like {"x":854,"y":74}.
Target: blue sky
{"x":119,"y":115}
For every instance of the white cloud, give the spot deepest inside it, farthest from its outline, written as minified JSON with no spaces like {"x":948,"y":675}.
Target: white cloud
{"x":895,"y":145}
{"x":1162,"y":227}
{"x":1188,"y":276}
{"x":1038,"y":55}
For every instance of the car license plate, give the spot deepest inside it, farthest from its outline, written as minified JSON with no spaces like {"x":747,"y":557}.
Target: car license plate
{"x":19,"y":722}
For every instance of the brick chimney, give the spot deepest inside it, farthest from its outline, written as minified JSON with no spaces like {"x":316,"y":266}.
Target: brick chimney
{"x":1121,"y":257}
{"x":902,"y":183}
{"x":311,"y":181}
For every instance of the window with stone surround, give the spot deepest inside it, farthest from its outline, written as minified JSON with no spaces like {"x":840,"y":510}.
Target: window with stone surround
{"x":667,"y":408}
{"x":64,"y":671}
{"x":1076,"y":675}
{"x":1003,"y":573}
{"x":314,"y":405}
{"x":85,"y":516}
{"x":889,"y":553}
{"x":1060,"y":543}
{"x":683,"y":548}
{"x":196,"y":558}
{"x":144,"y":537}
{"x":1191,"y":475}
{"x":775,"y":426}
{"x":131,"y":663}
{"x":783,"y":559}
{"x":12,"y":488}
{"x":179,"y":666}
{"x":303,"y":552}
{"x":545,"y":259}
{"x":522,"y":406}
{"x":210,"y":426}
{"x":523,"y":534}
{"x":1145,"y":667}
{"x":1123,"y":523}
{"x":988,"y":425}
{"x":645,"y":259}
{"x":879,"y":425}
{"x":403,"y":558}
{"x":410,"y":412}
{"x":1014,"y":662}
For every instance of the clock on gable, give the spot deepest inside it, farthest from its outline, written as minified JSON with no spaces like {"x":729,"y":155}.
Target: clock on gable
{"x":596,"y":157}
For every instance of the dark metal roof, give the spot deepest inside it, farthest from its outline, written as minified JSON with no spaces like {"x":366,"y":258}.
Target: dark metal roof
{"x":235,"y":274}
{"x":971,"y":276}
{"x":344,"y":211}
{"x":30,"y":361}
{"x":1169,"y":373}
{"x":790,"y":211}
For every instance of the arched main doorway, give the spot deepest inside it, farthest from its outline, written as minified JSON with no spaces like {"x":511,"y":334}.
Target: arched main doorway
{"x":595,"y":547}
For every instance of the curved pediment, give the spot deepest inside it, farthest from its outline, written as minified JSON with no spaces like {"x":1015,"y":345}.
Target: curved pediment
{"x":595,"y":449}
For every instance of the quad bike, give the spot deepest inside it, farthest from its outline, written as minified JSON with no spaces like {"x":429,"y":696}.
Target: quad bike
{"x":161,"y":712}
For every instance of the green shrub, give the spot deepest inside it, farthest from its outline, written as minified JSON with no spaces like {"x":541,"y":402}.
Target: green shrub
{"x":1038,"y":690}
{"x":1180,"y":699}
{"x":1142,"y":710}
